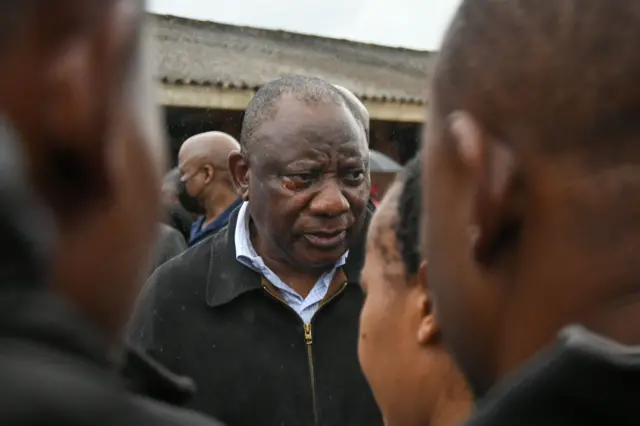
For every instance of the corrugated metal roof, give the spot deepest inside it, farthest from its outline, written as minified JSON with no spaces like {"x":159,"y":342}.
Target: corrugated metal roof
{"x":208,"y":53}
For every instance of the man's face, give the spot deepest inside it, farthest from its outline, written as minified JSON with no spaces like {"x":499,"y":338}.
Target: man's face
{"x":309,"y":182}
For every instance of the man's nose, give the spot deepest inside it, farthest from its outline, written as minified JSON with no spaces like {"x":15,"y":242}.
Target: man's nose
{"x":329,"y":201}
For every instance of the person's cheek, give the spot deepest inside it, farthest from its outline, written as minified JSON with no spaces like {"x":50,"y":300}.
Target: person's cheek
{"x":365,"y":337}
{"x":362,"y":338}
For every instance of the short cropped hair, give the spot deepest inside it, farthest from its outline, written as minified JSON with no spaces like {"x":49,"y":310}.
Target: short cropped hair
{"x":563,"y":73}
{"x":263,"y":106}
{"x":408,"y":221}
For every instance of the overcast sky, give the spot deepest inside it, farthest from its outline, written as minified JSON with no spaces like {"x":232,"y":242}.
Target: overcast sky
{"x":417,"y":24}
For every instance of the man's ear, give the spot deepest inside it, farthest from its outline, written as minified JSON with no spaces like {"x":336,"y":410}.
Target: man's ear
{"x":428,"y":329}
{"x":209,"y":173}
{"x":494,"y":175}
{"x":240,"y":173}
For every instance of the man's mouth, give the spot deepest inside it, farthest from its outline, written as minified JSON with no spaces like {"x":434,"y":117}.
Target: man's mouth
{"x":327,"y":240}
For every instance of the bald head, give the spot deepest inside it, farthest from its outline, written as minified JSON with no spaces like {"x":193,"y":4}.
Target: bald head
{"x":210,"y":148}
{"x":561,"y":73}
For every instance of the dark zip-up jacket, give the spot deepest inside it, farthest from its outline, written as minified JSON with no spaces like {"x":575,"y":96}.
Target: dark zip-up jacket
{"x":55,"y":371}
{"x":207,"y":316}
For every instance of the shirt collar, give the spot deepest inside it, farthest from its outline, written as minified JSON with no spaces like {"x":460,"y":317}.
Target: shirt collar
{"x":227,"y":278}
{"x":198,"y":233}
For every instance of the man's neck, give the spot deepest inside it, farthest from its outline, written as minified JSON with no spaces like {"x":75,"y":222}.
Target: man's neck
{"x":216,"y":204}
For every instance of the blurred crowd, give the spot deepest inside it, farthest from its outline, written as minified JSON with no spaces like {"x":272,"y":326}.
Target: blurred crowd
{"x":262,"y":281}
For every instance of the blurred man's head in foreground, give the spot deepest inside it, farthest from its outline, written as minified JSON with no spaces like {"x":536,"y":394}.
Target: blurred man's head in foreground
{"x":532,"y":177}
{"x":76,"y":90}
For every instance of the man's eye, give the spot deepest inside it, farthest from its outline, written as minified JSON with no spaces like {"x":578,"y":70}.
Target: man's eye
{"x":354,"y":177}
{"x":299,"y":181}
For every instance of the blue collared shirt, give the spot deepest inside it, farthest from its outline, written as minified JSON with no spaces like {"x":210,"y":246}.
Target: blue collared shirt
{"x":198,"y":233}
{"x":246,"y":254}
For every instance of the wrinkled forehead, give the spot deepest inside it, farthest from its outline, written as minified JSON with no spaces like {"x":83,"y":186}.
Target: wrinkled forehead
{"x":298,"y":130}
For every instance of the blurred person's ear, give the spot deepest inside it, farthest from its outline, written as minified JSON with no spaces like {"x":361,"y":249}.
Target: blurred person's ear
{"x":72,"y":116}
{"x":82,"y":79}
{"x":429,"y":329}
{"x":493,"y":170}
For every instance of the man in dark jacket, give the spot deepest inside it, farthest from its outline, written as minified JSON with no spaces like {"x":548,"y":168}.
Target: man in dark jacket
{"x":79,"y":167}
{"x":264,"y":314}
{"x":532,"y":207}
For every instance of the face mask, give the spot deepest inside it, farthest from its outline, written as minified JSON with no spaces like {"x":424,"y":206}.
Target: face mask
{"x":190,"y":204}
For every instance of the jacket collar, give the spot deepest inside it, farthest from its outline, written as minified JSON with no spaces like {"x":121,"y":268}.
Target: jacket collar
{"x":145,"y":376}
{"x":227,"y":278}
{"x":198,"y":233}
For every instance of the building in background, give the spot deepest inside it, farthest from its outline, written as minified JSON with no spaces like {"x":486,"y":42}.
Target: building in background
{"x":209,"y":72}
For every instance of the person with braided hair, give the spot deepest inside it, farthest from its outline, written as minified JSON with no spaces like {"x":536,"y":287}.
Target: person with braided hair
{"x":413,"y":377}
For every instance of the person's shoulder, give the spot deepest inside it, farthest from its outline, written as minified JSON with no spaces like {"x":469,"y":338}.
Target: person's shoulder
{"x":169,"y":231}
{"x":150,"y":412}
{"x":197,"y":255}
{"x":42,"y":386}
{"x":45,"y":386}
{"x":191,"y":263}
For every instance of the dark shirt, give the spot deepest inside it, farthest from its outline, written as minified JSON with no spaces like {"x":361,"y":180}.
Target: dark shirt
{"x":198,"y":233}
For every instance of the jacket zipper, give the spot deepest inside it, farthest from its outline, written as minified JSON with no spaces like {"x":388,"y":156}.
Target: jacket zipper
{"x":308,"y":340}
